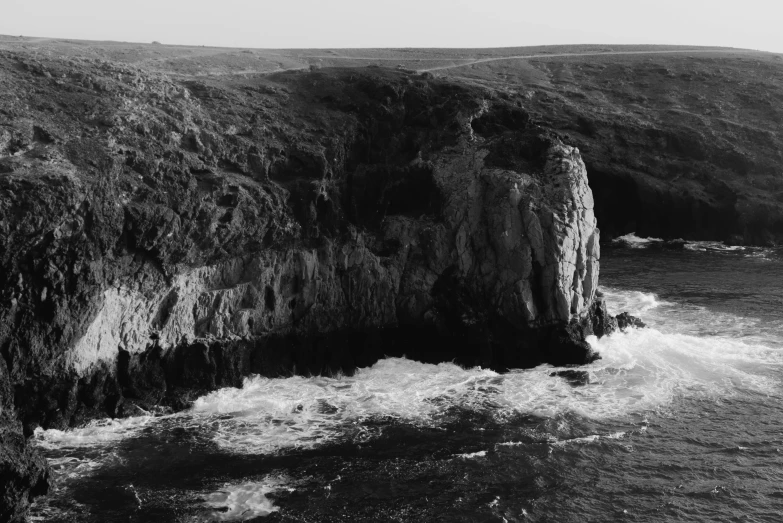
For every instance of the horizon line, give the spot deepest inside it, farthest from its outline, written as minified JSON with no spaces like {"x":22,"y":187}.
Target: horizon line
{"x":156,"y":43}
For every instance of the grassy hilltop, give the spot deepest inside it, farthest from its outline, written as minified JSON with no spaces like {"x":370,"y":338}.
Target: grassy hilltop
{"x":678,"y":141}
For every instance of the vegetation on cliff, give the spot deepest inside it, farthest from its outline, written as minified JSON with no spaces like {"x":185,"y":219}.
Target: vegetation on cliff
{"x":165,"y":235}
{"x":678,"y":141}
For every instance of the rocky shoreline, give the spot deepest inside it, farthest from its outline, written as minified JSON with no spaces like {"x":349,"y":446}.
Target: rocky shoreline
{"x":162,"y":237}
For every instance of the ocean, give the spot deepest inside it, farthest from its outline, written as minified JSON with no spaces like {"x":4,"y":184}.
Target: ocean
{"x":679,"y":421}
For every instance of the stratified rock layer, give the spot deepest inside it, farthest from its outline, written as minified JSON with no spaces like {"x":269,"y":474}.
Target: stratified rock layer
{"x":161,"y":238}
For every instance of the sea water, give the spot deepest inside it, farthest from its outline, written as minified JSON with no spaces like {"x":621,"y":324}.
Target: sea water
{"x":680,"y":421}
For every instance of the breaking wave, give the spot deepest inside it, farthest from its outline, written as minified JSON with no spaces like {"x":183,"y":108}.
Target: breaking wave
{"x":641,"y":370}
{"x":631,"y":240}
{"x":711,"y":353}
{"x":635,"y":242}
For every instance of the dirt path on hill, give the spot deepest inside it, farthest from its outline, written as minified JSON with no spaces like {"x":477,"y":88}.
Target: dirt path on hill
{"x":472,"y":61}
{"x":565,"y":55}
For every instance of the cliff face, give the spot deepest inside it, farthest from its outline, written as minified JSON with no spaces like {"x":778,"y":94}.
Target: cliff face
{"x":23,"y":472}
{"x":683,"y":145}
{"x":161,"y":237}
{"x":521,"y":249}
{"x":679,"y":141}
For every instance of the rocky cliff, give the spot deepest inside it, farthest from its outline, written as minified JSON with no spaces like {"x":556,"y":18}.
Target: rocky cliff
{"x":681,"y":145}
{"x":161,"y":236}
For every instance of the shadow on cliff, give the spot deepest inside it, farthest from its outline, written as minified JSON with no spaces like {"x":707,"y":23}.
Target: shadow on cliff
{"x":302,"y":223}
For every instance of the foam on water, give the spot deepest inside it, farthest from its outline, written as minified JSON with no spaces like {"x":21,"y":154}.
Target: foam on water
{"x":633,"y":241}
{"x":590,"y":438}
{"x":694,"y":320}
{"x":641,"y":370}
{"x":705,"y":246}
{"x":72,"y":467}
{"x":632,"y":302}
{"x":243,"y":501}
{"x":669,"y":412}
{"x":266,"y":415}
{"x":96,"y":433}
{"x":473,"y":455}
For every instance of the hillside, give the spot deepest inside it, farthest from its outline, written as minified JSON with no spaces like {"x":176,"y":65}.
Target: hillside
{"x":678,"y":145}
{"x":678,"y":141}
{"x":163,"y":235}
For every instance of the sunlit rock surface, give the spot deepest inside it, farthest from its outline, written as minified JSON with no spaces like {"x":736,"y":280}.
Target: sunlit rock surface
{"x":164,"y":236}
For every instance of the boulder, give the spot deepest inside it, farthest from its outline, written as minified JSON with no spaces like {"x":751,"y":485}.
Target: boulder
{"x":625,"y":321}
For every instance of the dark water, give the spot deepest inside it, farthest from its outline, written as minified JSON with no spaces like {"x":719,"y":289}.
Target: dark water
{"x":682,"y":421}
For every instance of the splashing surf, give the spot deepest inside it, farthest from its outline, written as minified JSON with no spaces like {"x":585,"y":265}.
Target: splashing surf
{"x":640,"y":370}
{"x":705,"y":358}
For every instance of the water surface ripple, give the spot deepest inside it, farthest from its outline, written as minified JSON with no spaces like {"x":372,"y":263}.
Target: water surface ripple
{"x":680,"y":421}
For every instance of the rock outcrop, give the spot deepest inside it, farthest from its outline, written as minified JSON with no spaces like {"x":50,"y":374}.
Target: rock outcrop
{"x":23,"y":473}
{"x":164,"y":237}
{"x":677,"y":146}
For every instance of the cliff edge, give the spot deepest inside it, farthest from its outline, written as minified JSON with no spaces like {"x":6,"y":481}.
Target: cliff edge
{"x":163,"y":236}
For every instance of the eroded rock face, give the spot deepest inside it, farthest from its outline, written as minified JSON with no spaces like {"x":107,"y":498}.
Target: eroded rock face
{"x":23,"y":473}
{"x":523,"y":249}
{"x":677,"y":146}
{"x":162,"y":238}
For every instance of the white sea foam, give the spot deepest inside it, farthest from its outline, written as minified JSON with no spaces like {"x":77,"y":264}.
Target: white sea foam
{"x":592,"y":438}
{"x":693,"y":320}
{"x":641,"y":370}
{"x":271,"y":414}
{"x":473,"y":455}
{"x":713,"y":246}
{"x":81,"y":451}
{"x":72,"y":467}
{"x":632,"y":302}
{"x":636,"y":242}
{"x":243,"y":501}
{"x":633,"y":241}
{"x":96,"y":433}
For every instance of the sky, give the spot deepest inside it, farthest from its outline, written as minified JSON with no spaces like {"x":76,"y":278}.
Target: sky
{"x":751,"y":24}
